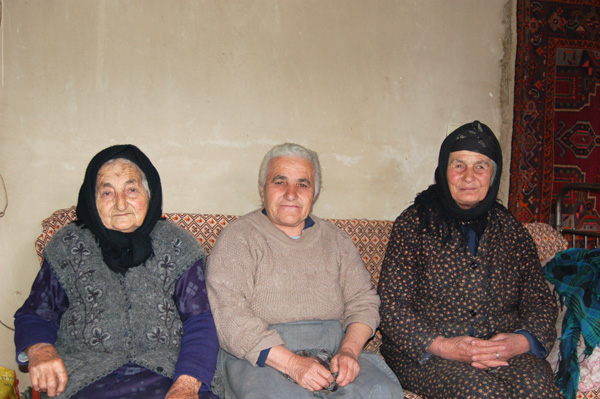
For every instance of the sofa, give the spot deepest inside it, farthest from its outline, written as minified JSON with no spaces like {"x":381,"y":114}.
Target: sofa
{"x":369,"y":236}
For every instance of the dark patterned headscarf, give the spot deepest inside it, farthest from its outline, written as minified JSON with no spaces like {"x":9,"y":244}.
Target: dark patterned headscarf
{"x":475,"y":137}
{"x":120,"y":251}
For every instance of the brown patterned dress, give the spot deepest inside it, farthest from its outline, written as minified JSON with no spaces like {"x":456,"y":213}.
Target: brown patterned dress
{"x":432,"y":286}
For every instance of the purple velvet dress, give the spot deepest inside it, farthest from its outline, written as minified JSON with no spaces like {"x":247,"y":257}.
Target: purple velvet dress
{"x":37,"y":321}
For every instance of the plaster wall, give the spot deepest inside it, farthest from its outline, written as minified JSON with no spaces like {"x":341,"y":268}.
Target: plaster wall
{"x":205,"y":88}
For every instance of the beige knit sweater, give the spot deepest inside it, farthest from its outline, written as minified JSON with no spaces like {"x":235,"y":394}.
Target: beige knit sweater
{"x":258,"y":276}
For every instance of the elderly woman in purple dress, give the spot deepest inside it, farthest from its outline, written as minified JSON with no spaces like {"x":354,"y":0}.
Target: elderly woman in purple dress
{"x":119,"y":308}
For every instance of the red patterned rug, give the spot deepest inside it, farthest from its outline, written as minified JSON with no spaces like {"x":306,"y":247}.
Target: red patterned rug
{"x":556,"y":131}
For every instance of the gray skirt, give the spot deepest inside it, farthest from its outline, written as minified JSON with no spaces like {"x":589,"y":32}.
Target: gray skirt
{"x":238,"y":379}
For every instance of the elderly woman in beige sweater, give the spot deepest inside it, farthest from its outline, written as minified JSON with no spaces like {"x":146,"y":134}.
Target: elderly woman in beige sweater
{"x":292,"y":300}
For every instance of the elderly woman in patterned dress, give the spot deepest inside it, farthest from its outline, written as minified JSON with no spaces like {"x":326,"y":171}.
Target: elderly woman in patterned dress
{"x":119,"y":308}
{"x":465,"y":310}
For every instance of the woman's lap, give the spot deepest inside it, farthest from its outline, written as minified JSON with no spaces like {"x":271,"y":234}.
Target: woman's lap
{"x":526,"y":377}
{"x":131,"y":382}
{"x":242,"y":380}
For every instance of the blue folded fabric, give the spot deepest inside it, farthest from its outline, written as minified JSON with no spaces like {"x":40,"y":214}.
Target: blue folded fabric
{"x":575,"y":274}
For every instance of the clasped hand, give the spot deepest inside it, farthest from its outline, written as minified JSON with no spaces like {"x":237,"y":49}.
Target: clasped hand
{"x":310,"y":374}
{"x":481,"y":353}
{"x":345,"y":363}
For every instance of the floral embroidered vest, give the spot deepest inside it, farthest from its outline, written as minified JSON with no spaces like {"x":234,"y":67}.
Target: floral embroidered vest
{"x":114,"y":319}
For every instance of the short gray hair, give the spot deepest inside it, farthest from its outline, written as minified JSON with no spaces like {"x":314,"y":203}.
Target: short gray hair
{"x":290,"y":150}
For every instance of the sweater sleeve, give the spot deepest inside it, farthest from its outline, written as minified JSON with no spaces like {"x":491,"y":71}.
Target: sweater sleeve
{"x":230,"y":276}
{"x":360,"y":298}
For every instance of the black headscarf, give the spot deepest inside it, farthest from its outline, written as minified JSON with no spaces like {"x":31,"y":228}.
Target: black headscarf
{"x":120,"y":251}
{"x":475,"y":137}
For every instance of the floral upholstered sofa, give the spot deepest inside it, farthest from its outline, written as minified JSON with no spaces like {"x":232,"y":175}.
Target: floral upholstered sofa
{"x":369,"y":236}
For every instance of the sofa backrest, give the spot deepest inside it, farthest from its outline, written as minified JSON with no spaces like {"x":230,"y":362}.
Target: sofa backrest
{"x":369,"y":236}
{"x":547,"y":240}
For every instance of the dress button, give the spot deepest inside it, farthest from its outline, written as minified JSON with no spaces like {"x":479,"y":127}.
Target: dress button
{"x":473,"y":313}
{"x":159,"y":369}
{"x":473,"y":265}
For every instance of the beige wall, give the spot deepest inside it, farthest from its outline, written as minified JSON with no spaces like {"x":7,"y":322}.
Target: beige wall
{"x":205,"y":88}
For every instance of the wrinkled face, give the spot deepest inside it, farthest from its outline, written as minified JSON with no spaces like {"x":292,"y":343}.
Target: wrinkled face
{"x":469,"y":175}
{"x":121,"y":198}
{"x":288,"y":193}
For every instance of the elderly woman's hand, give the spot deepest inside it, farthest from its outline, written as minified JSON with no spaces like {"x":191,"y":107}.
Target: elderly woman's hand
{"x":46,"y":369}
{"x":307,"y":372}
{"x":345,"y":361}
{"x":185,"y":387}
{"x":470,"y":350}
{"x":514,"y":345}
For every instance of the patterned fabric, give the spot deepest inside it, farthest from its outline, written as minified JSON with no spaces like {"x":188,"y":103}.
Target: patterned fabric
{"x":556,"y":124}
{"x":547,"y":240}
{"x":430,"y":287}
{"x":38,"y":321}
{"x":576,"y":276}
{"x":131,"y":382}
{"x":371,"y":237}
{"x":104,"y":305}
